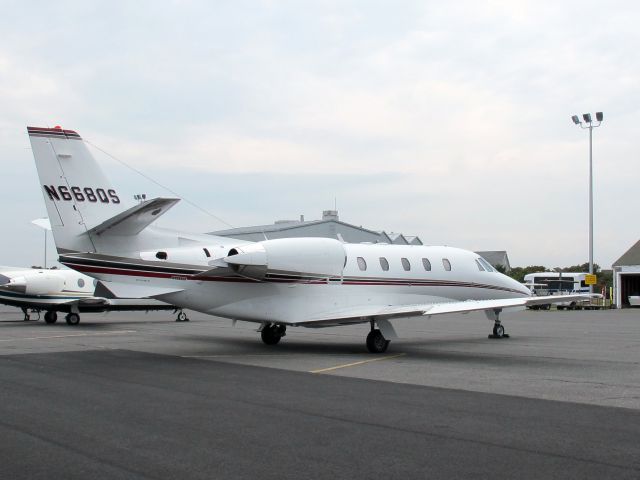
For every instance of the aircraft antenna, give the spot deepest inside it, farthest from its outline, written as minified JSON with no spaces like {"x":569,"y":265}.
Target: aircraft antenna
{"x":122,"y":162}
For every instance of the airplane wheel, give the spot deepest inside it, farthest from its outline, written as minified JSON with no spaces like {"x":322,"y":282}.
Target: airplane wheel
{"x":51,"y":317}
{"x":72,"y":319}
{"x":376,"y":343}
{"x":182,"y":317}
{"x":271,"y":334}
{"x":498,"y":331}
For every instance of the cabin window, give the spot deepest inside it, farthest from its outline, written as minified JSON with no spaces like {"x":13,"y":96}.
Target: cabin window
{"x":362,"y":265}
{"x":384,"y":264}
{"x":405,"y":264}
{"x":161,"y":255}
{"x":480,"y":267}
{"x":446,"y":264}
{"x":426,"y":264}
{"x":206,"y":252}
{"x":81,"y":282}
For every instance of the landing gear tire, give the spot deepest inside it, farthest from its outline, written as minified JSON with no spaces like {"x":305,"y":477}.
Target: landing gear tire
{"x":182,"y":317}
{"x":271,"y":334}
{"x":498,"y":331}
{"x":72,"y":319}
{"x":376,"y":343}
{"x":51,"y":317}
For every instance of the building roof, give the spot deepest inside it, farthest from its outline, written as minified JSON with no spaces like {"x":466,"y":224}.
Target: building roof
{"x":496,"y":257}
{"x":630,"y":257}
{"x":330,"y":226}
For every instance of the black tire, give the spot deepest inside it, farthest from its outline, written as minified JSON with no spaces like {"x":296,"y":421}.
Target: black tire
{"x":182,"y":317}
{"x":72,"y":319}
{"x":271,"y":334}
{"x":498,"y":331}
{"x":376,"y":343}
{"x":51,"y":317}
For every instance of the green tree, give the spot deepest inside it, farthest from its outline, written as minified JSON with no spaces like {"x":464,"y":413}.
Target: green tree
{"x":518,"y":273}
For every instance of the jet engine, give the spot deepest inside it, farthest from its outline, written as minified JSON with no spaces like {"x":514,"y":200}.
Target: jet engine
{"x":36,"y":283}
{"x":289,"y":259}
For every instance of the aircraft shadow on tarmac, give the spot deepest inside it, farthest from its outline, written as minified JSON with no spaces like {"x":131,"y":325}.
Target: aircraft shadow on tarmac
{"x":413,"y":350}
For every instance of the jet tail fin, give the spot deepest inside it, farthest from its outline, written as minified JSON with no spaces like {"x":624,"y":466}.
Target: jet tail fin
{"x":76,"y":191}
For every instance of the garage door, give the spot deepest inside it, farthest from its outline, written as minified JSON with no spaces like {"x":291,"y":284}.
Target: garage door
{"x":629,"y":285}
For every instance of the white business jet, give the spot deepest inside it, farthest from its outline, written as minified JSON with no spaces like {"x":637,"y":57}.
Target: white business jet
{"x":62,"y":290}
{"x":306,"y":282}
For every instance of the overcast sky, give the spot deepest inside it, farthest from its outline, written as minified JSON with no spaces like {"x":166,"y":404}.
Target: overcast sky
{"x":447,"y":120}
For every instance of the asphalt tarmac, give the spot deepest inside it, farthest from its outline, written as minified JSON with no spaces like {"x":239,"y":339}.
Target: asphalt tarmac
{"x":134,"y":395}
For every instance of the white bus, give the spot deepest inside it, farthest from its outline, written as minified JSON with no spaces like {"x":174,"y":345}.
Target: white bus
{"x":557,"y":283}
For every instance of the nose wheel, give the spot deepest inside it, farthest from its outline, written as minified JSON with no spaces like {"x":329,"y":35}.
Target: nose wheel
{"x":498,"y":331}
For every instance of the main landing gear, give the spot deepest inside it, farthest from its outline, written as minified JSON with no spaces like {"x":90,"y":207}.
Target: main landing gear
{"x":182,"y":317}
{"x":272,"y":333}
{"x":498,"y":328}
{"x":376,"y":343}
{"x":51,"y":316}
{"x":72,"y":318}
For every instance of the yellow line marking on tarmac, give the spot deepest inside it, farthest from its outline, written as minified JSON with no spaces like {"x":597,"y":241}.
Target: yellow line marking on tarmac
{"x":362,"y":362}
{"x":115,"y":332}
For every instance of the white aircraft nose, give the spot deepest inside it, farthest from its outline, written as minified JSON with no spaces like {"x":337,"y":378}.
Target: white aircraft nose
{"x":520,"y":287}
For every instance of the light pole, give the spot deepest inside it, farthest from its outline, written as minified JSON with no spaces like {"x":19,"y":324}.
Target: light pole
{"x":588,"y":123}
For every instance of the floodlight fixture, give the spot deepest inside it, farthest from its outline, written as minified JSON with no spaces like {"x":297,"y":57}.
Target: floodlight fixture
{"x":599,"y":116}
{"x":575,"y":119}
{"x":587,"y":117}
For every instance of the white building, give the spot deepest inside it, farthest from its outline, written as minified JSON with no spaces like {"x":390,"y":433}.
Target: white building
{"x":626,"y":276}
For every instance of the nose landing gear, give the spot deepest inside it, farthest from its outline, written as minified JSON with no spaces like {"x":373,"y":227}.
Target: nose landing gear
{"x":498,"y":328}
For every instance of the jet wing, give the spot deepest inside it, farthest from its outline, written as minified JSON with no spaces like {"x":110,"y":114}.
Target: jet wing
{"x":135,"y":219}
{"x":387,"y":312}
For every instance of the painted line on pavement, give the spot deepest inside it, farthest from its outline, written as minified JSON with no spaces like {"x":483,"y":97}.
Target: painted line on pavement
{"x":115,"y":332}
{"x":362,"y":362}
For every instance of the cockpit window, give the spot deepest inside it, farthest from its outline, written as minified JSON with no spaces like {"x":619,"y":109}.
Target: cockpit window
{"x":446,"y":264}
{"x":486,"y":264}
{"x":480,"y":267}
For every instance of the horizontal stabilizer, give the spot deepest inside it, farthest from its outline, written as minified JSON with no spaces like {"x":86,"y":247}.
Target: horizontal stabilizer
{"x":135,"y":219}
{"x":125,"y":290}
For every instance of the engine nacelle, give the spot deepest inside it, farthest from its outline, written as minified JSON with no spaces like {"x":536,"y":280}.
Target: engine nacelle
{"x":37,"y":283}
{"x":289,"y":259}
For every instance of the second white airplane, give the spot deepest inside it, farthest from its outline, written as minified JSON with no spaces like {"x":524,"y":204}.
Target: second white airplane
{"x":307,"y":282}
